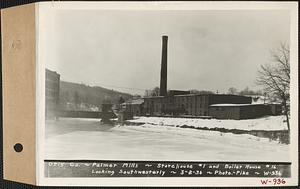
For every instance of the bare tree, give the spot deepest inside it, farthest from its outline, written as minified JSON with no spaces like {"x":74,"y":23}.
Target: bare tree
{"x":152,"y":92}
{"x":155,"y":91}
{"x":232,"y":91}
{"x":275,"y":78}
{"x":248,"y":91}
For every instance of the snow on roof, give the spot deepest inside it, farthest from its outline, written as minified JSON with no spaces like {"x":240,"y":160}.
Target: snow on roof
{"x":218,"y":105}
{"x":275,"y":103}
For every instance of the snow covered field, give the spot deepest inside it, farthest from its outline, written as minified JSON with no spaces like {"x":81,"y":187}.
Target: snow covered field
{"x":269,"y":123}
{"x":74,"y":138}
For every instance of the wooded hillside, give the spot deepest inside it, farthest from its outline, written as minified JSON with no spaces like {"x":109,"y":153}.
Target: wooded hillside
{"x":77,"y":94}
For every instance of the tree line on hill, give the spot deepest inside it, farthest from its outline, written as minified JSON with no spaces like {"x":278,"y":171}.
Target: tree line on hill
{"x":74,"y":95}
{"x":244,"y":92}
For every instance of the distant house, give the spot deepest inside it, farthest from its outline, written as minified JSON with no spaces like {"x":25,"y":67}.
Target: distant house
{"x":135,"y":107}
{"x":52,"y":93}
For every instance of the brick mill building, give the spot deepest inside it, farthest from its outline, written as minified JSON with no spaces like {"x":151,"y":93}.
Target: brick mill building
{"x":175,"y":102}
{"x":189,"y":104}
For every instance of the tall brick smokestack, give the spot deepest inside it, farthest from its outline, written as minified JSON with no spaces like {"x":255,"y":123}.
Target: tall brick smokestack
{"x":164,"y":66}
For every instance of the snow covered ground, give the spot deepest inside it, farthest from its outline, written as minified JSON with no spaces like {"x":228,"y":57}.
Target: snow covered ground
{"x":269,"y":123}
{"x":71,"y":138}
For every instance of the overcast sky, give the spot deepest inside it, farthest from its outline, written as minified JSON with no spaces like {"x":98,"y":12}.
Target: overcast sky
{"x":208,"y":50}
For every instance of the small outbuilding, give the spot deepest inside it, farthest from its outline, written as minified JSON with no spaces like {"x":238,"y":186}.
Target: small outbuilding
{"x":135,"y":107}
{"x":239,"y":111}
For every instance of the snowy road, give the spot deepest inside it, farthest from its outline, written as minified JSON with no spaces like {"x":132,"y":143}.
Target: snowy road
{"x":73,"y":138}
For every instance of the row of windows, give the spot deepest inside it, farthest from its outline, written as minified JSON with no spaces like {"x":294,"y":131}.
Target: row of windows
{"x":202,"y":112}
{"x":52,"y":80}
{"x":52,"y":86}
{"x":191,"y":99}
{"x":51,"y":93}
{"x":190,"y":104}
{"x":180,"y":99}
{"x":188,"y":107}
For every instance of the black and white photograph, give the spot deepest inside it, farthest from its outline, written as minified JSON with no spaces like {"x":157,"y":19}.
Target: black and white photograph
{"x":163,"y":92}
